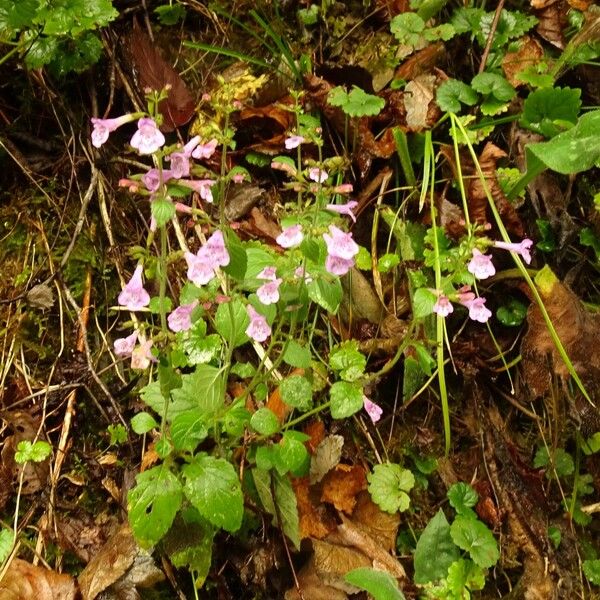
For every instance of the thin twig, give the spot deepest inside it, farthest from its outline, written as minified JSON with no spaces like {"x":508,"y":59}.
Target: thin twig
{"x":490,"y":38}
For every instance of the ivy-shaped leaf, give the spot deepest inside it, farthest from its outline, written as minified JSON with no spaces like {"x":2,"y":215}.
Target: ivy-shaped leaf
{"x":462,"y":497}
{"x":473,"y":536}
{"x":356,"y":103}
{"x":346,"y":399}
{"x":388,"y":486}
{"x":452,"y":93}
{"x":348,"y":360}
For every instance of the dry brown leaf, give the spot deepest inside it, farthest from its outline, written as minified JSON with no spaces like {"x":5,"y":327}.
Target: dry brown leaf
{"x":578,"y":330}
{"x":326,"y":456}
{"x":382,"y":526}
{"x":316,"y":431}
{"x":341,"y":486}
{"x":312,"y":586}
{"x":265,"y":226}
{"x":314,"y":520}
{"x":418,"y":94}
{"x":278,"y":406}
{"x":421,"y":62}
{"x":333,"y":561}
{"x":581,"y":5}
{"x":529,"y":54}
{"x":552,"y":21}
{"x":24,"y":581}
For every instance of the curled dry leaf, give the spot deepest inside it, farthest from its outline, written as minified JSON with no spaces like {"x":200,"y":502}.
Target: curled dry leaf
{"x":327,"y":455}
{"x":315,"y":520}
{"x":421,"y":111}
{"x":24,"y":581}
{"x":552,"y":21}
{"x":341,"y":486}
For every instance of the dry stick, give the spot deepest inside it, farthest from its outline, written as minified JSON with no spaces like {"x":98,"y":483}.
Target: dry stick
{"x":490,"y":39}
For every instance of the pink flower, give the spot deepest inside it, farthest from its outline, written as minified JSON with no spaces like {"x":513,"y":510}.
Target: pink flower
{"x":202,"y":187}
{"x":294,"y":141}
{"x":283,"y":166}
{"x":215,"y":250}
{"x":141,"y":357}
{"x":258,"y":329}
{"x":180,"y":319}
{"x":104,"y":127}
{"x":338,"y":266}
{"x":133,"y":296}
{"x":269,"y":273}
{"x":180,"y":161}
{"x":151,"y":179}
{"x":373,"y":410}
{"x":521,"y":248}
{"x":477,"y":310}
{"x":238,"y":178}
{"x":344,"y":188}
{"x":290,"y":237}
{"x":205,"y":150}
{"x":344,"y":209}
{"x":443,"y":306}
{"x":481,"y":265}
{"x":340,"y":243}
{"x":268,"y":293}
{"x":200,"y":271}
{"x":301,"y":273}
{"x":148,"y":138}
{"x":317,"y":174}
{"x":125,"y":346}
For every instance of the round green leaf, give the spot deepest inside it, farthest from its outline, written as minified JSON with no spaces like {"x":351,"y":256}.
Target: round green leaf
{"x":143,"y":422}
{"x":265,"y":422}
{"x":296,"y":391}
{"x":346,"y":399}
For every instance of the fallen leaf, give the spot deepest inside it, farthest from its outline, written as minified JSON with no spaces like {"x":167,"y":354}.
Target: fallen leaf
{"x":24,"y":581}
{"x":341,"y":485}
{"x":552,"y":21}
{"x":421,"y":62}
{"x":327,"y":455}
{"x":315,"y":522}
{"x":529,"y":54}
{"x":418,"y":95}
{"x":312,"y":586}
{"x":316,"y":431}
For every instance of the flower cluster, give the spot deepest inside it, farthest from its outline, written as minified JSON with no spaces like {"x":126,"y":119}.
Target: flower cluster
{"x":341,"y":250}
{"x":203,"y":265}
{"x":268,"y":293}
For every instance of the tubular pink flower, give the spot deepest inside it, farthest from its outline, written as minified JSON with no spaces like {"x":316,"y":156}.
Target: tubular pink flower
{"x":477,"y":310}
{"x":148,"y":138}
{"x":443,"y":306}
{"x":238,"y":178}
{"x":104,"y":127}
{"x":151,"y":179}
{"x":205,"y":150}
{"x":124,"y":346}
{"x":521,"y":248}
{"x":258,"y":329}
{"x":141,"y":357}
{"x":338,"y":266}
{"x":133,"y":296}
{"x":180,"y":319}
{"x":340,"y":243}
{"x":290,"y":237}
{"x":344,"y":209}
{"x":200,"y":271}
{"x":202,"y":187}
{"x":373,"y":410}
{"x":180,"y":160}
{"x":215,"y":250}
{"x":344,"y":188}
{"x":481,"y":265}
{"x":268,"y":293}
{"x":465,"y":295}
{"x":269,"y":273}
{"x":294,"y":141}
{"x":317,"y":174}
{"x":301,"y":273}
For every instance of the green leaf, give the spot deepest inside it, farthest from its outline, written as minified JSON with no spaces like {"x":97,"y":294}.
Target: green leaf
{"x":296,"y":355}
{"x":347,"y":359}
{"x":16,"y":15}
{"x":387,"y":262}
{"x":588,"y":238}
{"x":512,"y":314}
{"x":236,"y":419}
{"x":291,"y":453}
{"x":381,"y":585}
{"x":41,"y":51}
{"x":561,"y":460}
{"x":168,"y":378}
{"x":143,"y":423}
{"x":346,"y":399}
{"x":238,"y":259}
{"x":296,"y":391}
{"x":452,"y":93}
{"x":462,"y":497}
{"x":188,"y":429}
{"x":573,"y":151}
{"x":407,"y":28}
{"x":473,"y":536}
{"x":265,"y":422}
{"x":548,"y":110}
{"x":422,"y":302}
{"x":231,"y":321}
{"x":170,"y":14}
{"x":243,"y":370}
{"x":591,"y":568}
{"x":356,"y":103}
{"x":6,"y":544}
{"x":155,"y":304}
{"x":163,"y":210}
{"x":214,"y":489}
{"x":435,"y":550}
{"x":285,"y":499}
{"x":153,"y":503}
{"x":465,"y":575}
{"x":28,"y":452}
{"x":492,"y":84}
{"x":388,"y":484}
{"x":327,"y":294}
{"x":203,"y":350}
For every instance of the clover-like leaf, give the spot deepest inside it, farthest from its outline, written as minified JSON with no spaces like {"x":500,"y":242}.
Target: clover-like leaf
{"x":407,"y":28}
{"x":470,"y":534}
{"x":356,"y":103}
{"x":452,"y":93}
{"x":388,"y":486}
